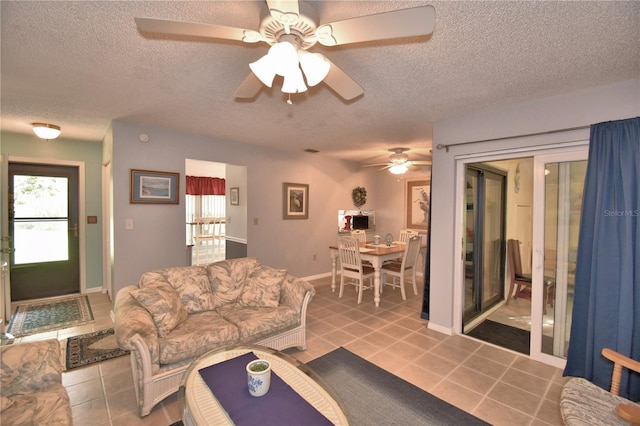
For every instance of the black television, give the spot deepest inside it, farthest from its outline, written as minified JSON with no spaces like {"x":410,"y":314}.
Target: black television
{"x":361,"y":222}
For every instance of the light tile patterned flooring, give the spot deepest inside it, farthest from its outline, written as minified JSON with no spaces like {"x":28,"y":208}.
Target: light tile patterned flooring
{"x":499,"y":386}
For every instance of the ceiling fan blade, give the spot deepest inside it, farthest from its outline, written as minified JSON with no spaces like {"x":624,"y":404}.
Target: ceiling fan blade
{"x":249,"y":87}
{"x":410,"y":22}
{"x":376,"y":165}
{"x":421,"y":163}
{"x":342,"y":84}
{"x":196,"y":29}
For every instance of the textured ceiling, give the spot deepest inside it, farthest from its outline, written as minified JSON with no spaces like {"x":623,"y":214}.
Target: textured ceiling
{"x":82,"y":64}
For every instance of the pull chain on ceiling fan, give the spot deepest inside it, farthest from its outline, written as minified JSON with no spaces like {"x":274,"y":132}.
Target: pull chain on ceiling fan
{"x":291,"y":28}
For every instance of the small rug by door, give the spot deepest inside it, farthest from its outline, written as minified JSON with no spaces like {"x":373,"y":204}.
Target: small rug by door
{"x":372,"y":396}
{"x":93,"y":347}
{"x":53,"y":314}
{"x":502,"y":335}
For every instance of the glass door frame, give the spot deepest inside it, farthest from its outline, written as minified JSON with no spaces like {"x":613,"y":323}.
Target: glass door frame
{"x":537,"y":268}
{"x":574,"y":149}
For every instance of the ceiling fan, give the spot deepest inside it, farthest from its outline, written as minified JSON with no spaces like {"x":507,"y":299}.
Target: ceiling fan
{"x":399,"y":162}
{"x":291,"y":28}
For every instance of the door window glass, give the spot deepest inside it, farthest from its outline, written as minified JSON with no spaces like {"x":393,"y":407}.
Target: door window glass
{"x":40,"y":219}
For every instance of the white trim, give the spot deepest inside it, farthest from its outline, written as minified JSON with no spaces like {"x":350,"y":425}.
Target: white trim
{"x":441,"y":329}
{"x":106,"y":229}
{"x":317,"y":276}
{"x":82,"y":266}
{"x":236,"y":239}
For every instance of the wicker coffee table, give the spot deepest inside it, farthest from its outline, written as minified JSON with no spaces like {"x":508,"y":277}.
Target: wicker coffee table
{"x":202,"y":408}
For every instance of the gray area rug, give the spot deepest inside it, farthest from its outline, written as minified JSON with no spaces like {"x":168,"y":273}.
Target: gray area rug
{"x":373,"y":396}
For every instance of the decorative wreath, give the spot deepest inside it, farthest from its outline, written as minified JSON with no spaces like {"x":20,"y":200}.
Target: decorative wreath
{"x":359,"y":196}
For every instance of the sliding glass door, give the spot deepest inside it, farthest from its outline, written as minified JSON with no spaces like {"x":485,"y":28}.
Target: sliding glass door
{"x":484,"y":240}
{"x":558,"y":186}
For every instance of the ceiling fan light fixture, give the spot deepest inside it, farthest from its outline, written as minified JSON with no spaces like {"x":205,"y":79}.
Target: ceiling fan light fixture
{"x":265,"y":69}
{"x":315,"y":67}
{"x":399,"y":169}
{"x":46,"y":131}
{"x":294,"y":82}
{"x":284,"y":56}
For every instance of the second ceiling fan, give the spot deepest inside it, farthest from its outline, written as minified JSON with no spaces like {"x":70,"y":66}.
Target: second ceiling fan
{"x":291,"y":27}
{"x":399,"y":162}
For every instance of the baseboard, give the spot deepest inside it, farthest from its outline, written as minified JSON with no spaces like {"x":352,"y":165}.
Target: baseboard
{"x":444,"y":330}
{"x":318,"y":276}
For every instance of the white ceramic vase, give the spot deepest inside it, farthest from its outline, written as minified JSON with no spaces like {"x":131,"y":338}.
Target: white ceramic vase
{"x":259,"y":381}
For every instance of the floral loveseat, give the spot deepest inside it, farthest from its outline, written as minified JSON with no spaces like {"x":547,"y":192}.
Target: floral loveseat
{"x":174,"y":315}
{"x":31,"y":390}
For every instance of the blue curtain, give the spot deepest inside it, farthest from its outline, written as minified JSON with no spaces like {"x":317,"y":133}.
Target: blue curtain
{"x":606,"y":311}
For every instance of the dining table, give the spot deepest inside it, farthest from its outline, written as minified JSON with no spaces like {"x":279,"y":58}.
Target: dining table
{"x":376,"y":254}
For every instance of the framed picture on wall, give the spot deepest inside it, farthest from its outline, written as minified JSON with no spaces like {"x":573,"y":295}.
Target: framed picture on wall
{"x":150,"y":187}
{"x":417,"y":196}
{"x":234,"y":196}
{"x":295,"y":199}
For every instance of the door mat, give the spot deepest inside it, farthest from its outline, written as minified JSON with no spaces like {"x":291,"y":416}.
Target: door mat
{"x":93,"y":347}
{"x":48,"y":315}
{"x":502,"y":335}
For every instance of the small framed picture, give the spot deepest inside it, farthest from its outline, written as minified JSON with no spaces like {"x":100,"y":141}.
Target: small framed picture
{"x":234,"y":196}
{"x":418,"y":194}
{"x":150,"y":187}
{"x":295,"y":200}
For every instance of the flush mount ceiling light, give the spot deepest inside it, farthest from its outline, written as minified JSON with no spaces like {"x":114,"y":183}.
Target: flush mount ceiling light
{"x":46,"y":131}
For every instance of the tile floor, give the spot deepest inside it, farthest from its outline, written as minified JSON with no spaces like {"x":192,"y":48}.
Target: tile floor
{"x":499,"y":386}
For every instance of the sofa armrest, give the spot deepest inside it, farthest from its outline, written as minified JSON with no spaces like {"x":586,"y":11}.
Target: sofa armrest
{"x":293,"y":292}
{"x":30,"y":366}
{"x":130,"y":320}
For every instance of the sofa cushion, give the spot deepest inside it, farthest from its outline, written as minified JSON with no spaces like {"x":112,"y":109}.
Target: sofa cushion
{"x":163,"y":303}
{"x":199,"y":334}
{"x":191,"y":282}
{"x":49,"y":406}
{"x":228,"y":278}
{"x":194,"y":287}
{"x":257,"y":323}
{"x":262,"y":288}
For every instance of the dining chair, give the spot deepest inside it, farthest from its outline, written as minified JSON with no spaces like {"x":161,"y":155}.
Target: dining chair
{"x":360,"y":235}
{"x":400,"y":270}
{"x":205,"y":234}
{"x":517,"y":281}
{"x":520,"y":280}
{"x":351,"y":266}
{"x":218,"y":234}
{"x":406,"y":234}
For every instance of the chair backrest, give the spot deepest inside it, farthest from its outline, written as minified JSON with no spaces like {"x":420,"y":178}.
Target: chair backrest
{"x":411,"y":251}
{"x":513,"y":257}
{"x":206,"y":226}
{"x":218,"y":223}
{"x":406,"y":234}
{"x":360,"y":235}
{"x":349,"y":253}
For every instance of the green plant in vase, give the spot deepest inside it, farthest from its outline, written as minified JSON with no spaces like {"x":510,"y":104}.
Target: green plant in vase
{"x":257,"y":367}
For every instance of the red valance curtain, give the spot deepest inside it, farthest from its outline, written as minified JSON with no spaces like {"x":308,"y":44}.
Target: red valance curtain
{"x":203,"y":185}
